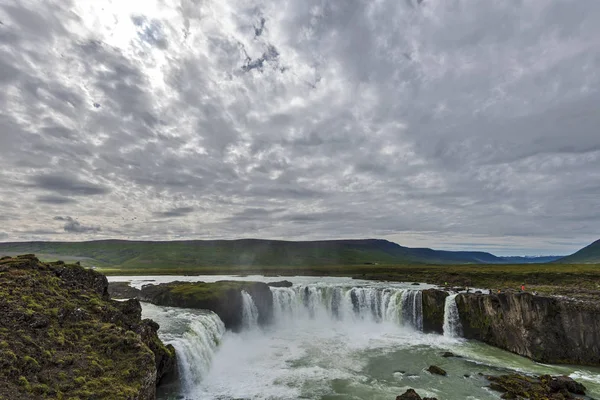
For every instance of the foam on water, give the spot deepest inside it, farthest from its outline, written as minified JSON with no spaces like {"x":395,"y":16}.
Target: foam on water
{"x":335,"y":341}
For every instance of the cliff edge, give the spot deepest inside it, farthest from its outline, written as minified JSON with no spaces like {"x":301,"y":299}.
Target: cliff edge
{"x":62,"y":337}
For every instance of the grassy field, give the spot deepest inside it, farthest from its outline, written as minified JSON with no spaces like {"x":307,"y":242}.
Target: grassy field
{"x":583,"y":280}
{"x":243,"y":253}
{"x":368,"y":259}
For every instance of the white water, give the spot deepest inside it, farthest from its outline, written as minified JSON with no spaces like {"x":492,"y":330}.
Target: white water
{"x":333,"y":342}
{"x":399,"y":306}
{"x":195,"y":334}
{"x":249,"y":311}
{"x":452,"y":326}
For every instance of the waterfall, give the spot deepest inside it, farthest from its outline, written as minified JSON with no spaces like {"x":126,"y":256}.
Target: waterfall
{"x":452,"y":325}
{"x":412,"y":308}
{"x":249,"y":311}
{"x":400,"y":306}
{"x":196,"y":348}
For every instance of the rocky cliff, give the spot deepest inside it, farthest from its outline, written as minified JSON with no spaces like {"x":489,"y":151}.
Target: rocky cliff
{"x":223,"y":298}
{"x":545,"y":329}
{"x":433,"y":310}
{"x":62,"y":337}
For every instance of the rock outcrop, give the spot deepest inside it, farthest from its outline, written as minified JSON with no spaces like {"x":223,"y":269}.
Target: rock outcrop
{"x":123,"y":290}
{"x":223,"y":298}
{"x":545,"y":329}
{"x":434,"y":369}
{"x":280,"y":284}
{"x":516,"y":386}
{"x":410,"y":394}
{"x":62,"y":337}
{"x":433,"y":310}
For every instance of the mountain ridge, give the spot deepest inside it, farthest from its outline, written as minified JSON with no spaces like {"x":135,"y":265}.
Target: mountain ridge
{"x":245,"y":252}
{"x":590,"y":254}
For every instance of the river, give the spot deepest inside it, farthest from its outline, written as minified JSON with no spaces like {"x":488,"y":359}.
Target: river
{"x":332,"y":338}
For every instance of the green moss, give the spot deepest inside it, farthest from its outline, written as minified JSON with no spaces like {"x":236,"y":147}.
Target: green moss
{"x":86,"y":347}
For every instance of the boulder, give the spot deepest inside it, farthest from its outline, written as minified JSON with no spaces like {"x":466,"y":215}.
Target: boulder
{"x":410,"y":394}
{"x":448,"y":354}
{"x":434,"y":369}
{"x":514,"y":386}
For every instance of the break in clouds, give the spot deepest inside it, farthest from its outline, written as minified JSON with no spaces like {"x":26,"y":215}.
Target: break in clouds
{"x":460,"y":124}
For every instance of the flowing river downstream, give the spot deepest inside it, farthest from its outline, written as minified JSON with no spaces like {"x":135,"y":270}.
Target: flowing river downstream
{"x":332,"y":338}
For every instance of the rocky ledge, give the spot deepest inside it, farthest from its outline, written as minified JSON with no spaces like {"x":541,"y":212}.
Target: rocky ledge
{"x":546,"y":329}
{"x":223,"y":298}
{"x":62,"y":337}
{"x":545,"y":387}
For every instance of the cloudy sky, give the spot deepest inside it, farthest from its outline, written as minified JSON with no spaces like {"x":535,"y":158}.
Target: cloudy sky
{"x":454,"y":124}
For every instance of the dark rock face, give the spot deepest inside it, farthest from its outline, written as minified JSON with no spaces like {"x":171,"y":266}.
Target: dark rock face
{"x":410,"y":394}
{"x":281,"y":284}
{"x":223,"y":298}
{"x":62,"y":337}
{"x":545,"y":329}
{"x":516,"y":386}
{"x":433,"y":310}
{"x":122,"y":290}
{"x":434,"y":369}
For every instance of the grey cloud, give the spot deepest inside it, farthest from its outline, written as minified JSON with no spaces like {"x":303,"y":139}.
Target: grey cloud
{"x":73,"y":226}
{"x":68,"y":185}
{"x":3,"y":235}
{"x":49,"y":199}
{"x":417,"y":119}
{"x":175,"y":212}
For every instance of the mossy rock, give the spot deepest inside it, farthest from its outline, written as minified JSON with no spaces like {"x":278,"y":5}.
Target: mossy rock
{"x":62,"y":337}
{"x":223,"y":298}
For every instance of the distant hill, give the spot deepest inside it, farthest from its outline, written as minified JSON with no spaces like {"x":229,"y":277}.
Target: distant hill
{"x":242,"y":253}
{"x":530,"y":259}
{"x":588,"y":255}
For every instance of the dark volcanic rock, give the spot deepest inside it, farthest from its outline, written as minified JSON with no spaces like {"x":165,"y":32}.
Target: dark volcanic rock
{"x":434,"y":369}
{"x":223,"y":298}
{"x":433,"y":310}
{"x":448,"y":354}
{"x":545,"y":329}
{"x":546,"y":387}
{"x":410,"y":394}
{"x":61,"y":337}
{"x":122,"y":290}
{"x":281,"y":284}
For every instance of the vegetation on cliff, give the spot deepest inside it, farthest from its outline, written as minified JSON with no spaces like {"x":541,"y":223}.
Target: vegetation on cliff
{"x":61,"y":337}
{"x":223,"y":298}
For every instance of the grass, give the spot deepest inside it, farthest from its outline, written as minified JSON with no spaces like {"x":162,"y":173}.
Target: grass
{"x":239,"y":253}
{"x":567,"y":279}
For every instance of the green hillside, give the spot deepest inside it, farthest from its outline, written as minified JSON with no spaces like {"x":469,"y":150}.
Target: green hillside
{"x":588,"y":255}
{"x":240,"y":253}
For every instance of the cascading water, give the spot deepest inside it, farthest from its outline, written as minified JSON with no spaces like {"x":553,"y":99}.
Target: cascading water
{"x":329,"y":341}
{"x":401,"y":306}
{"x":249,"y":311}
{"x":452,"y":325}
{"x":195,"y":335}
